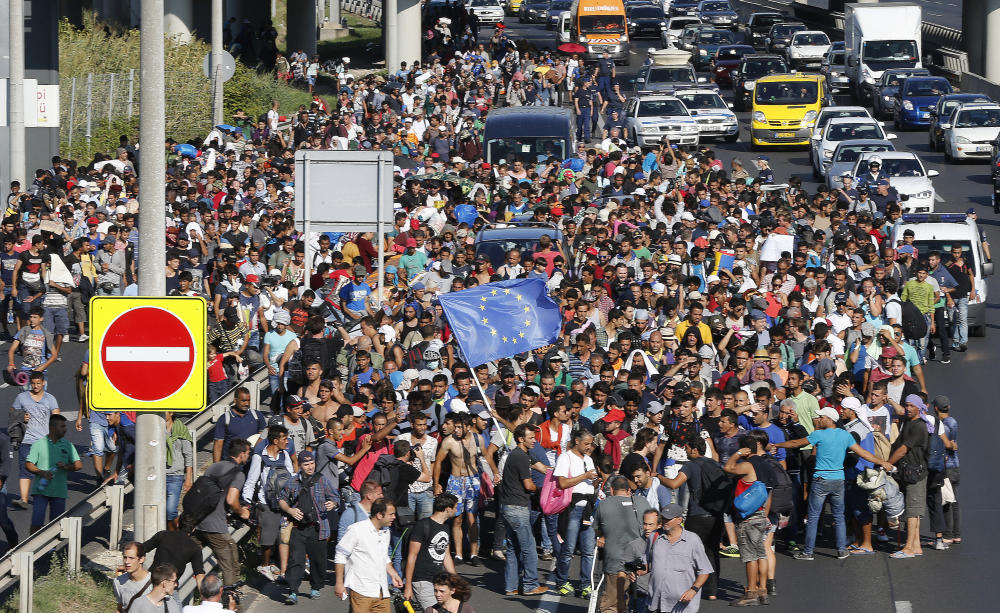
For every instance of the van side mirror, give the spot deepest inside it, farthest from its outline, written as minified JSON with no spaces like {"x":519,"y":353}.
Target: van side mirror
{"x":987,"y":269}
{"x":852,"y":61}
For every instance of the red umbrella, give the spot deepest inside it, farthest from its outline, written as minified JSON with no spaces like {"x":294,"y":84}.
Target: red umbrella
{"x":572,"y":48}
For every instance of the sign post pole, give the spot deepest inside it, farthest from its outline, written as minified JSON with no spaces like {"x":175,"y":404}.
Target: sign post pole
{"x":150,"y":438}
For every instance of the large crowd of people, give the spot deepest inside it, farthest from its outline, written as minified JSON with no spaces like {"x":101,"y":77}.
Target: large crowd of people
{"x":704,"y":398}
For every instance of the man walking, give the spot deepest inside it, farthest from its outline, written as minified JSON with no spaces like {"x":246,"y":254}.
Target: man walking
{"x":34,"y":407}
{"x":366,"y":546}
{"x":909,"y":455}
{"x":308,"y":498}
{"x":50,"y":460}
{"x":429,"y":552}
{"x":213,"y":531}
{"x":676,"y":563}
{"x":516,"y":487}
{"x":617,"y":521}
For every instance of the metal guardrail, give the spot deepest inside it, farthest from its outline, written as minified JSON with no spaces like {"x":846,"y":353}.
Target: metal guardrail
{"x":17,"y":566}
{"x":371,"y":9}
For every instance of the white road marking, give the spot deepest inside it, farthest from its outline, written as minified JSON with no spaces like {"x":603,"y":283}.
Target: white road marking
{"x":147,"y":354}
{"x":937,"y":197}
{"x":904,"y":606}
{"x":549,"y":603}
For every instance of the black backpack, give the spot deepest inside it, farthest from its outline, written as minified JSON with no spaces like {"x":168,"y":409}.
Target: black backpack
{"x":202,"y":499}
{"x":716,"y":487}
{"x":914,"y":323}
{"x":783,"y":493}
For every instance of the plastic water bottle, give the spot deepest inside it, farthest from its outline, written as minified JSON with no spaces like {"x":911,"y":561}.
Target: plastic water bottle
{"x":43,"y":483}
{"x":10,"y":316}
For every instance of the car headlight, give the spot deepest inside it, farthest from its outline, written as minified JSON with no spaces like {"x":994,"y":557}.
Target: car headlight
{"x":749,"y":85}
{"x":631,"y":24}
{"x":907,"y":105}
{"x":809,"y":118}
{"x":962,"y":140}
{"x":828,"y":153}
{"x":870,"y":80}
{"x":834,"y":74}
{"x":689,"y":129}
{"x":702,"y":52}
{"x":663,"y":23}
{"x":924,"y":194}
{"x":583,"y":39}
{"x":719,"y":68}
{"x":758,"y":116}
{"x":887,"y":98}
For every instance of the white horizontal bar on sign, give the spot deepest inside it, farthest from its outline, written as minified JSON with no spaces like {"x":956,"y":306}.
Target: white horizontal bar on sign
{"x":147,"y":354}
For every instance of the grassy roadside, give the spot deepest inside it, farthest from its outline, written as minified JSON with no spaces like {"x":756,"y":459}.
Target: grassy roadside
{"x":57,"y":592}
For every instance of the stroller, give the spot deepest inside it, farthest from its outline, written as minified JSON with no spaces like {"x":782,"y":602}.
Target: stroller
{"x":883,"y":492}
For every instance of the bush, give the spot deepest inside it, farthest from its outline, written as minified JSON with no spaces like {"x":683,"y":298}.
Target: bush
{"x":58,"y":592}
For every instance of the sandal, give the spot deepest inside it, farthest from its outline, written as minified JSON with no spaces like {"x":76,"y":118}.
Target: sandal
{"x":901,"y":555}
{"x":860,"y":551}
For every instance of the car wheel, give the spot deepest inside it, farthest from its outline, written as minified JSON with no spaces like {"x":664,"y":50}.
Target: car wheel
{"x":947,"y":155}
{"x":732,"y":138}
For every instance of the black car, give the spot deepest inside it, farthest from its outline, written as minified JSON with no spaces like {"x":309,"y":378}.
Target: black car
{"x":751,"y":68}
{"x":781,"y":34}
{"x":533,"y":11}
{"x":646,"y":21}
{"x":759,"y":25}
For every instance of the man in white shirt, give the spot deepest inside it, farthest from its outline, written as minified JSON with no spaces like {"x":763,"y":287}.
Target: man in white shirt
{"x":364,"y":553}
{"x":211,"y":597}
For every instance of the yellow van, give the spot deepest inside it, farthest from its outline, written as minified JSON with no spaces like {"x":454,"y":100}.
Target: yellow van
{"x":785,"y":108}
{"x":513,"y":6}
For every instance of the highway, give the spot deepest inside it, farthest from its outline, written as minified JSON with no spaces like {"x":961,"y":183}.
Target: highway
{"x":939,"y":580}
{"x":943,"y":12}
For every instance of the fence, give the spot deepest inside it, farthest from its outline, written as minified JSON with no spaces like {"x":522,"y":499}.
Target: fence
{"x":95,"y":109}
{"x":372,"y":9}
{"x":66,"y":530}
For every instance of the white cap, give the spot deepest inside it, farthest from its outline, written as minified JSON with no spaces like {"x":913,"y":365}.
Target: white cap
{"x":388,"y":332}
{"x":850,"y":403}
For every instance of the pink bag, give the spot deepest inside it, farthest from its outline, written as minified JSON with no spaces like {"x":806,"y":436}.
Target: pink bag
{"x":554,"y":499}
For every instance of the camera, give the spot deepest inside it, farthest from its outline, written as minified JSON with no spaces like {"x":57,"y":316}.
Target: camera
{"x":231,"y":591}
{"x":636,"y":566}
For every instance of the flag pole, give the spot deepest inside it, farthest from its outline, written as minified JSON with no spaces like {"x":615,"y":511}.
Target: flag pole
{"x":489,"y":406}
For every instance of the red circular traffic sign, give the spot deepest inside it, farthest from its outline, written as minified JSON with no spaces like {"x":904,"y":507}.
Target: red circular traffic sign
{"x":147,"y":354}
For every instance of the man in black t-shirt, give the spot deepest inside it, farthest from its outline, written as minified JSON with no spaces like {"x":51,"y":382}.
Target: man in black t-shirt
{"x":429,"y":551}
{"x":515,"y":490}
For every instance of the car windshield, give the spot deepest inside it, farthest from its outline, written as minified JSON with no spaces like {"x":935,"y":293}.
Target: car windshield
{"x":715,"y":6}
{"x":761,"y":68}
{"x":602,"y":23}
{"x":766,"y":21}
{"x":837,"y":59}
{"x":926,"y":87}
{"x":895,"y":78}
{"x":497,"y":250}
{"x":671,"y":75}
{"x":490,"y":3}
{"x":978,"y":118}
{"x":950,"y":105}
{"x":815,"y":39}
{"x":889,"y":50}
{"x":944,"y":248}
{"x":715,"y":37}
{"x":560,"y":5}
{"x":851,"y":153}
{"x":660,"y":108}
{"x":787,"y":30}
{"x":646,"y":12}
{"x":902,"y":167}
{"x":828,"y":115}
{"x":681,"y":23}
{"x":702,"y":101}
{"x":527,"y":147}
{"x":784,"y":92}
{"x":853,"y":131}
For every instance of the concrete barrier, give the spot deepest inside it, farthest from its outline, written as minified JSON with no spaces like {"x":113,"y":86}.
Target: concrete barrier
{"x":974,"y":83}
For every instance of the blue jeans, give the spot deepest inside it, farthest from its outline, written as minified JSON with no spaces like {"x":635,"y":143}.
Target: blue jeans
{"x":960,"y":324}
{"x":520,"y":549}
{"x":422,"y":503}
{"x":5,"y":523}
{"x":576,"y":533}
{"x":55,"y":505}
{"x":549,"y":530}
{"x":818,"y":493}
{"x":174,"y":485}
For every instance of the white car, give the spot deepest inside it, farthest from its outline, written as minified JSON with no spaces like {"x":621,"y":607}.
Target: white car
{"x":807,"y":49}
{"x":846,"y":154}
{"x":970,"y":131}
{"x":840,"y":129}
{"x":488,"y":11}
{"x":652,"y":117}
{"x":675,"y":26}
{"x":908,"y":175}
{"x":711,"y":112}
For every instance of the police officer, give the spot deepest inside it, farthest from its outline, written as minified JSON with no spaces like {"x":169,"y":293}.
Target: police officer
{"x":875,"y":172}
{"x":583,"y":103}
{"x":605,"y":73}
{"x":884,"y":194}
{"x":599,"y":105}
{"x":764,"y":172}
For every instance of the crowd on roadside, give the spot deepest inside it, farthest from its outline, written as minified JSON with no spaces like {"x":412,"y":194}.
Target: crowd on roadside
{"x":706,"y":395}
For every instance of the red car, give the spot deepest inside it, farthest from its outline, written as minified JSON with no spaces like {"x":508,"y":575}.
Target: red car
{"x":727,"y":58}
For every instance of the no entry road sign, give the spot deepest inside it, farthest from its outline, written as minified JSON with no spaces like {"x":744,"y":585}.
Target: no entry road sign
{"x":147,"y":354}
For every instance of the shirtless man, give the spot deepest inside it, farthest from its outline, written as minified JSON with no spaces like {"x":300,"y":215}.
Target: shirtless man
{"x":314,"y":375}
{"x":461,"y":451}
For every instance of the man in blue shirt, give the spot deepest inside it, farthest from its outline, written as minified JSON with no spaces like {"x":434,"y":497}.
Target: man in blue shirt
{"x":239,"y":421}
{"x":831,"y":445}
{"x":354,"y":295}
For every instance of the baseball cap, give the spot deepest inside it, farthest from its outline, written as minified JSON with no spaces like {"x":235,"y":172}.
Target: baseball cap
{"x":906,"y":249}
{"x":306,"y":456}
{"x":295,"y":401}
{"x":359,"y":271}
{"x":671,"y":511}
{"x":614,"y":415}
{"x":529,"y":389}
{"x":867,"y":329}
{"x":882,"y":182}
{"x":889,"y":352}
{"x":970,"y":211}
{"x":941,"y":402}
{"x":654,"y":407}
{"x":828,"y":412}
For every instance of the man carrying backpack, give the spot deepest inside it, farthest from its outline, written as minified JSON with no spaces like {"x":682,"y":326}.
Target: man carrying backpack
{"x":238,"y":422}
{"x":831,"y":445}
{"x":207,"y":501}
{"x":269,"y":471}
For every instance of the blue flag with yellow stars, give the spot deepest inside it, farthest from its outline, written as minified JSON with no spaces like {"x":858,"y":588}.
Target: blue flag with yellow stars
{"x":498,"y":320}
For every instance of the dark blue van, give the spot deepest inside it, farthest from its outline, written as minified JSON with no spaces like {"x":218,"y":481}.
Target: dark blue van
{"x":531,"y":133}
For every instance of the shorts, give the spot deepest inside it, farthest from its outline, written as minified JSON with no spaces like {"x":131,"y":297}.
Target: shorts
{"x":916,"y":498}
{"x":856,"y":500}
{"x":466,"y":489}
{"x":750,"y":535}
{"x":22,"y":456}
{"x":285,"y":533}
{"x":57,"y":320}
{"x":100,"y":440}
{"x":270,"y":525}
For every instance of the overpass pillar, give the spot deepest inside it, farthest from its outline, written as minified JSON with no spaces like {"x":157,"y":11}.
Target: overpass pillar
{"x":390,"y":19}
{"x":974,"y":33}
{"x":301,"y":20}
{"x":991,"y":51}
{"x":409,"y":30}
{"x":178,"y":19}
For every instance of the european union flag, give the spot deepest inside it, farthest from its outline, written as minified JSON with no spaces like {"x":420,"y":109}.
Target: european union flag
{"x":498,"y":320}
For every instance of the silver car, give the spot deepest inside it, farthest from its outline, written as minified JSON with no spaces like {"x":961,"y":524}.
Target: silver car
{"x":835,"y":68}
{"x":846,"y":154}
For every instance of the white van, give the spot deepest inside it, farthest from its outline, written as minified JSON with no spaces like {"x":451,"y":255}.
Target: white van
{"x":939,"y":232}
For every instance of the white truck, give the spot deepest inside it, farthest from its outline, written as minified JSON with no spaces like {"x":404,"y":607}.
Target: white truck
{"x":878,"y":37}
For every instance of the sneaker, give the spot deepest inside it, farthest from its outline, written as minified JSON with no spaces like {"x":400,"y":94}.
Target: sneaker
{"x":498,"y":554}
{"x":20,"y":503}
{"x":803,"y":556}
{"x":473,"y":561}
{"x":843,"y":554}
{"x":940,"y":545}
{"x":266,"y":572}
{"x":292,"y":599}
{"x":771,"y":589}
{"x":882,"y":537}
{"x":538,"y":591}
{"x":281,"y":579}
{"x":586,"y":592}
{"x":732,"y":551}
{"x":946,"y":360}
{"x":314,"y":594}
{"x":963,"y":348}
{"x":82,"y":338}
{"x":566,"y":589}
{"x":545,"y":556}
{"x":749,"y":599}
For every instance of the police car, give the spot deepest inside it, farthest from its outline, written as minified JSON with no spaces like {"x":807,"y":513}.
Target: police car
{"x":652,"y":117}
{"x":710,"y":111}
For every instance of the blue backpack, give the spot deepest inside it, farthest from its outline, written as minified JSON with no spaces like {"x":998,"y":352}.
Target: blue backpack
{"x":752,"y":499}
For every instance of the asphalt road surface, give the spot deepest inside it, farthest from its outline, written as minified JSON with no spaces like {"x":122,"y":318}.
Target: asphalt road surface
{"x":943,"y":12}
